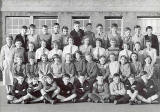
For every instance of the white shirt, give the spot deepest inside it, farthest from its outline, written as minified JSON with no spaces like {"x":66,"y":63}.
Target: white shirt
{"x":96,"y":53}
{"x":127,"y":53}
{"x":69,"y":49}
{"x":113,"y":68}
{"x":40,"y":52}
{"x":152,"y":53}
{"x":53,"y":52}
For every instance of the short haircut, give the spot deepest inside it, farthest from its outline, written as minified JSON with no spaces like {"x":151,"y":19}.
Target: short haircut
{"x":31,"y":43}
{"x":103,"y":56}
{"x":114,"y":25}
{"x":44,"y":55}
{"x":18,"y":40}
{"x":112,"y":54}
{"x":24,"y":27}
{"x":100,"y":75}
{"x":43,"y":41}
{"x":149,"y":27}
{"x":127,"y":29}
{"x":56,"y":56}
{"x":64,"y":27}
{"x":116,"y":75}
{"x":113,"y":40}
{"x":79,"y":52}
{"x":98,"y":39}
{"x":66,"y":75}
{"x":76,"y":22}
{"x":56,"y":24}
{"x":32,"y":26}
{"x":9,"y":36}
{"x":137,"y":26}
{"x":123,"y":56}
{"x":89,"y":24}
{"x":99,"y":25}
{"x":55,"y":42}
{"x":44,"y":26}
{"x":31,"y":57}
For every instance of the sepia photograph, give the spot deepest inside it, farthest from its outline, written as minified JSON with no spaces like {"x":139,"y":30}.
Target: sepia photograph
{"x":79,"y":55}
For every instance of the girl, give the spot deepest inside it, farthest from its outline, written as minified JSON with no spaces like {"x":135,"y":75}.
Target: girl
{"x":125,"y":69}
{"x":136,"y":66}
{"x":31,"y":52}
{"x":85,"y":48}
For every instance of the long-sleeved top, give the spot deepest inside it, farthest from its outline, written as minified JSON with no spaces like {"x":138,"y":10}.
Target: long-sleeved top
{"x":57,"y":37}
{"x":56,"y":70}
{"x":113,"y":68}
{"x":91,"y":36}
{"x":136,"y":67}
{"x":19,"y":52}
{"x":53,"y":52}
{"x":43,"y":69}
{"x":104,"y":70}
{"x":64,"y":40}
{"x":127,"y":53}
{"x":31,"y":70}
{"x":128,"y":39}
{"x":80,"y":66}
{"x":69,"y":68}
{"x":117,"y":88}
{"x":69,"y":49}
{"x":138,"y":38}
{"x":98,"y":52}
{"x":40,"y":52}
{"x":19,"y":70}
{"x":48,"y":38}
{"x":34,"y":38}
{"x":85,"y":49}
{"x":149,"y":69}
{"x":125,"y":70}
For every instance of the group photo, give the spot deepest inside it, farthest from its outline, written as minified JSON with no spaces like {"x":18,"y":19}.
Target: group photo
{"x":73,"y":59}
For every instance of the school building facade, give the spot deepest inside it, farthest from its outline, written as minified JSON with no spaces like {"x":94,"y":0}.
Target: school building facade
{"x":15,"y":13}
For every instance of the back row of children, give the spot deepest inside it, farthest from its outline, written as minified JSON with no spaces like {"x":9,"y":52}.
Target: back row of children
{"x":101,"y":57}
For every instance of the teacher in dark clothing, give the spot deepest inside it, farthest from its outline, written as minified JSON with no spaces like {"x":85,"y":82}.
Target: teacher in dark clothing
{"x":153,"y":38}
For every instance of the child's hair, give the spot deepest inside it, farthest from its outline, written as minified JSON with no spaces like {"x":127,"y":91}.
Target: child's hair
{"x":76,"y":22}
{"x":99,"y":25}
{"x":19,"y":76}
{"x":98,"y":39}
{"x":31,"y":57}
{"x":55,"y":42}
{"x":123,"y":56}
{"x":103,"y":56}
{"x":44,"y":26}
{"x":148,"y":41}
{"x":65,"y":27}
{"x":70,"y":38}
{"x":85,"y":37}
{"x":66,"y":75}
{"x":42,"y":41}
{"x":89,"y":54}
{"x":31,"y":43}
{"x":116,"y":75}
{"x":89,"y":24}
{"x":24,"y":27}
{"x":127,"y":29}
{"x":18,"y":40}
{"x":113,"y":40}
{"x":79,"y":52}
{"x":114,"y":25}
{"x":133,"y":54}
{"x":56,"y":56}
{"x":69,"y":55}
{"x":149,"y":27}
{"x":32,"y":26}
{"x":56,"y":24}
{"x":44,"y":55}
{"x":9,"y":36}
{"x":126,"y":44}
{"x":137,"y":26}
{"x":149,"y":58}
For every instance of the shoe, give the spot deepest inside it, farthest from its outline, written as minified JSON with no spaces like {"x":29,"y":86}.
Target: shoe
{"x":44,"y":101}
{"x":155,"y":102}
{"x":115,"y":102}
{"x":106,"y":101}
{"x":89,"y":100}
{"x":9,"y":102}
{"x":131,"y":102}
{"x":52,"y":102}
{"x":138,"y":102}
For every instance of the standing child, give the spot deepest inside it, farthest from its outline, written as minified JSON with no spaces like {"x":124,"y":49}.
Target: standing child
{"x":6,"y":63}
{"x":31,"y":52}
{"x":64,"y":36}
{"x":77,"y":34}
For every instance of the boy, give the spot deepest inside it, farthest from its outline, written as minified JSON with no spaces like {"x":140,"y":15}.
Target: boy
{"x":100,"y":34}
{"x":90,"y":34}
{"x":153,"y":38}
{"x":46,"y":36}
{"x":31,"y":52}
{"x":33,"y":37}
{"x":77,"y":34}
{"x":117,"y":90}
{"x":82,"y":88}
{"x":67,"y":92}
{"x":56,"y":35}
{"x":147,"y":90}
{"x":100,"y":92}
{"x":22,"y":37}
{"x":42,"y":50}
{"x":114,"y":34}
{"x":65,"y":36}
{"x":19,"y":90}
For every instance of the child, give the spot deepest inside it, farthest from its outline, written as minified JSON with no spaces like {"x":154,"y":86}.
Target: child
{"x":46,"y":36}
{"x":150,"y":51}
{"x":103,"y":67}
{"x":22,"y":37}
{"x":19,"y":90}
{"x":68,"y":67}
{"x":148,"y":67}
{"x":55,"y":50}
{"x":19,"y":69}
{"x":117,"y":90}
{"x":127,"y":38}
{"x":147,"y":90}
{"x":43,"y":67}
{"x":113,"y":66}
{"x":98,"y":51}
{"x":18,"y":51}
{"x":100,"y":92}
{"x":70,"y":48}
{"x":31,"y":69}
{"x":33,"y":37}
{"x":125,"y":69}
{"x":90,"y":34}
{"x":114,"y":34}
{"x":67,"y":92}
{"x":31,"y":52}
{"x":82,"y":88}
{"x":92,"y":69}
{"x":136,"y":66}
{"x":113,"y":49}
{"x":100,"y":34}
{"x":85,"y":47}
{"x":125,"y":51}
{"x":56,"y":35}
{"x":56,"y":67}
{"x":6,"y":63}
{"x":77,"y":34}
{"x":138,"y":37}
{"x":64,"y":36}
{"x":42,"y":50}
{"x":153,"y":38}
{"x":80,"y":63}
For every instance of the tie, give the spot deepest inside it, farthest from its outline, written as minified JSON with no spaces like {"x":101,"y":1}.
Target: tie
{"x":117,"y":87}
{"x":98,"y":53}
{"x":127,"y":54}
{"x":71,"y":50}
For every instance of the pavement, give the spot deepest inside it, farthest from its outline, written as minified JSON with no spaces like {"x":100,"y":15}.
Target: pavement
{"x":73,"y":107}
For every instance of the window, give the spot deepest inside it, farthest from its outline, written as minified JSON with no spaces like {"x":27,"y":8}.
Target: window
{"x":115,"y":19}
{"x":14,"y":24}
{"x":82,"y":19}
{"x":49,"y":21}
{"x":150,"y":21}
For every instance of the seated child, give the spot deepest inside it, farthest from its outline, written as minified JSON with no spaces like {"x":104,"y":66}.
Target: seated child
{"x":147,"y":90}
{"x":117,"y":90}
{"x":100,"y":92}
{"x":19,"y":90}
{"x":67,"y":92}
{"x":82,"y":88}
{"x":31,"y":52}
